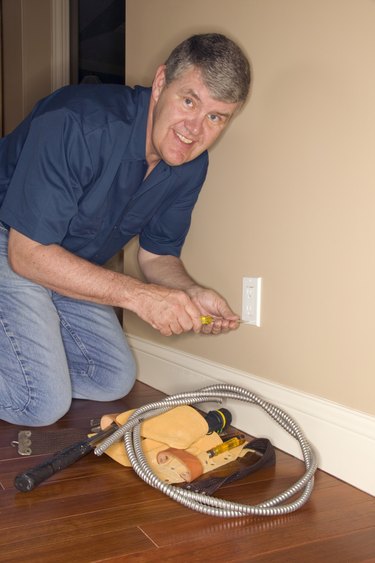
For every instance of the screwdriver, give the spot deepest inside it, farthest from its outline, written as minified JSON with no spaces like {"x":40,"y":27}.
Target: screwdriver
{"x":207,"y":320}
{"x":228,"y":445}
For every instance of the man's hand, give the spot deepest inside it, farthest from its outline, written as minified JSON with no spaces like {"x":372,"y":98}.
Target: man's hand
{"x":170,"y":311}
{"x":211,"y":303}
{"x":169,"y":271}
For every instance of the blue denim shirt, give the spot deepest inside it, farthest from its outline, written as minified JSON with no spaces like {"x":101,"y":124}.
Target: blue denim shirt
{"x":72,"y":173}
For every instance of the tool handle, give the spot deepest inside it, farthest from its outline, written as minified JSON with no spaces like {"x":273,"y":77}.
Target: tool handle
{"x":27,"y":481}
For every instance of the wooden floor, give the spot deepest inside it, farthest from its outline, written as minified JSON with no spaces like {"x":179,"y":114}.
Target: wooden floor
{"x":96,"y":510}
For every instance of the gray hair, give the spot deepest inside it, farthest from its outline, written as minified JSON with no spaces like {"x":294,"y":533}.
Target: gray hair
{"x":225,"y":68}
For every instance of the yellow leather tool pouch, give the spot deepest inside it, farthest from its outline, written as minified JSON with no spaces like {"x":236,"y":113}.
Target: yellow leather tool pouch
{"x":176,"y":444}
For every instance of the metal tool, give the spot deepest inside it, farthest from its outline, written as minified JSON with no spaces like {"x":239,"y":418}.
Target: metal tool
{"x":208,"y":319}
{"x":28,"y":480}
{"x":226,"y":446}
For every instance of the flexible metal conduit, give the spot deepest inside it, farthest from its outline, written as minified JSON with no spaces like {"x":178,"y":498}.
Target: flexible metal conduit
{"x":207,"y":504}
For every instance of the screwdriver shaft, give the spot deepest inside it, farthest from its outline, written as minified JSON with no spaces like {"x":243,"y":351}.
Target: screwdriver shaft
{"x":208,"y":319}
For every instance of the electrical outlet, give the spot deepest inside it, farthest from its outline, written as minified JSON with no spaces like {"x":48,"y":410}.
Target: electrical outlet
{"x":251,"y":293}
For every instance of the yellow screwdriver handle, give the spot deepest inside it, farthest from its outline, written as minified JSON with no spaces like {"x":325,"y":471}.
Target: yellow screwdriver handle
{"x":206,"y":319}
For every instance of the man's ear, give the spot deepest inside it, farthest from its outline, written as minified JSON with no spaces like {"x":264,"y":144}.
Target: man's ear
{"x":158,"y":82}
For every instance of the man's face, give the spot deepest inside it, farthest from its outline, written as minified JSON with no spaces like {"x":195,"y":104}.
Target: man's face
{"x":184,"y":119}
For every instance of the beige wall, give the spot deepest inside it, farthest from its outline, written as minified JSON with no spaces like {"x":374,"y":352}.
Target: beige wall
{"x":27,"y":56}
{"x":290,"y":195}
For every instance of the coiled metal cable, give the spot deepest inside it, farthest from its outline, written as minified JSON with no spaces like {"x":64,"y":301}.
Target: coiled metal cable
{"x":207,"y":504}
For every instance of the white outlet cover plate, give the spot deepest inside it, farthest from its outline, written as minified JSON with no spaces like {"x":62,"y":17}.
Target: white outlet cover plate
{"x":251,"y":299}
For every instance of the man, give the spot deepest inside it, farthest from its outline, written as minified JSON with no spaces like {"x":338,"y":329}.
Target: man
{"x":91,"y":167}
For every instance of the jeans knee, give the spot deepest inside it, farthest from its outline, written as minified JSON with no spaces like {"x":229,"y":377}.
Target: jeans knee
{"x":108,"y":379}
{"x":49,"y":415}
{"x":46,"y":411}
{"x":36,"y":414}
{"x":119,"y":385}
{"x":129,"y":379}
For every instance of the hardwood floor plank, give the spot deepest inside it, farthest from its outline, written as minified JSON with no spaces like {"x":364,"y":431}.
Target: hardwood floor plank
{"x":74,"y":497}
{"x":90,"y":524}
{"x":310,"y":523}
{"x":74,"y":549}
{"x":354,"y":547}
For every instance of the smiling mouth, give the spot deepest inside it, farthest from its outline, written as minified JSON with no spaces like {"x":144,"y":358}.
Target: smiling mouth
{"x":183,"y":139}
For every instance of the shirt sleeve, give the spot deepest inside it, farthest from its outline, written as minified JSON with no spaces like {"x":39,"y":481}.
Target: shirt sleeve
{"x":53,"y":166}
{"x":165,"y":234}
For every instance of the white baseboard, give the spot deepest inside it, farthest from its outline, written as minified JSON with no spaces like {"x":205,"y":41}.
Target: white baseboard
{"x":344,"y":439}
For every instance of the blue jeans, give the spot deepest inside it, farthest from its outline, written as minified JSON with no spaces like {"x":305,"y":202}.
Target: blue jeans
{"x":53,"y":349}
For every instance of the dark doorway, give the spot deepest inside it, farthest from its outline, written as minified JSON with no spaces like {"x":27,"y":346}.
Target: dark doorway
{"x":97,"y":41}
